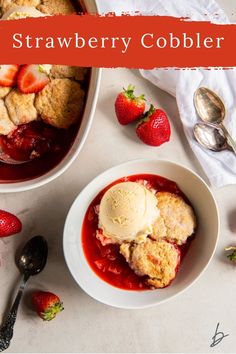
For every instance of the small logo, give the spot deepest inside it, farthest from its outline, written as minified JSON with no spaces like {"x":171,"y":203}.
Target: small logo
{"x":218,"y":336}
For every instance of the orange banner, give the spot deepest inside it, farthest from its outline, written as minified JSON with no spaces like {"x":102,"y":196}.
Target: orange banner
{"x":117,"y":41}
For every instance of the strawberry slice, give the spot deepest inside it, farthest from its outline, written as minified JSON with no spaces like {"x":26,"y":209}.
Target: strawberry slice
{"x":32,"y":78}
{"x":46,"y":304}
{"x":8,"y":75}
{"x":9,"y":224}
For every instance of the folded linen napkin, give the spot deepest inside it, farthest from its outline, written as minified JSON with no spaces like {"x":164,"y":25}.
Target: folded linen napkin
{"x":220,"y":167}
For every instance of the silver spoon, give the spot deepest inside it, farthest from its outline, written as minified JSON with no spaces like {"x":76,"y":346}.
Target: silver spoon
{"x":211,"y":109}
{"x":211,"y":137}
{"x":31,"y":262}
{"x":4,"y":157}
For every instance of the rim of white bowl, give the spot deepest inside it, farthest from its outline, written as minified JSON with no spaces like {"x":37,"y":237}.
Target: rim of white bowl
{"x":66,"y":257}
{"x":59,"y":170}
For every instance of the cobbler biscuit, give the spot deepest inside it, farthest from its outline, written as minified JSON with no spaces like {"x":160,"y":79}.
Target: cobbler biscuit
{"x":159,"y":228}
{"x":56,"y":7}
{"x":158,"y":260}
{"x":9,"y":4}
{"x":65,"y":71}
{"x":60,"y":103}
{"x":6,"y":125}
{"x":4,"y":91}
{"x":21,"y":107}
{"x":177,"y":220}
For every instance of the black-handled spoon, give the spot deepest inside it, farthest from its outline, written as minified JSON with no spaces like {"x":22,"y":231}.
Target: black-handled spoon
{"x":32,"y":260}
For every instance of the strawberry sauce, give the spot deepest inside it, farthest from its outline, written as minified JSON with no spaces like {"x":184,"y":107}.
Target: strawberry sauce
{"x":31,"y":140}
{"x":43,"y":144}
{"x":106,"y":261}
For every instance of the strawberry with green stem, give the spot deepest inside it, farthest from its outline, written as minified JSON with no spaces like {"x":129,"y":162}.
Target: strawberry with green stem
{"x":231,"y":256}
{"x":129,"y":107}
{"x":154,"y":127}
{"x":46,"y":304}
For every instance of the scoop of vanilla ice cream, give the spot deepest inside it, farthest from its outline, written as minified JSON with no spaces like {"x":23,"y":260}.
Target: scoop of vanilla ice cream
{"x":127,"y":212}
{"x":19,"y":12}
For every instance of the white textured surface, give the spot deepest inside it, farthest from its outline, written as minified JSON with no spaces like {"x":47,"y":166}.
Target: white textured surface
{"x":187,"y":323}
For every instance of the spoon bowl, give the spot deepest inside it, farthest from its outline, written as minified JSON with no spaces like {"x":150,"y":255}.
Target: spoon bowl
{"x":33,"y":256}
{"x":5,"y":158}
{"x":209,"y":106}
{"x":210,"y":136}
{"x":211,"y":109}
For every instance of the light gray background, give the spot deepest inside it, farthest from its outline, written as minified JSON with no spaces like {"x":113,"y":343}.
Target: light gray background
{"x":185,"y":324}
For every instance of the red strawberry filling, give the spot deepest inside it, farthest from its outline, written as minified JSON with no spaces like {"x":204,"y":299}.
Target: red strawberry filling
{"x":104,"y":257}
{"x":31,"y":140}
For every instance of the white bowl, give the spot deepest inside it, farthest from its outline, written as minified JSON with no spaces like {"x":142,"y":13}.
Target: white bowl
{"x":196,"y":260}
{"x":82,"y":134}
{"x":74,"y":150}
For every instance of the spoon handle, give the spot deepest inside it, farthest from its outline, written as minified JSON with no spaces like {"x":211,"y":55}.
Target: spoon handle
{"x":229,"y":138}
{"x":6,"y":330}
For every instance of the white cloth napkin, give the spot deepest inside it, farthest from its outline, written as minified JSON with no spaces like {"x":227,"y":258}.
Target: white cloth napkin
{"x":219,"y":167}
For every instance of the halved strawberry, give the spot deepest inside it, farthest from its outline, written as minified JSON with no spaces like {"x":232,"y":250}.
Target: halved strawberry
{"x":46,"y":304}
{"x":32,"y":78}
{"x":8,"y":75}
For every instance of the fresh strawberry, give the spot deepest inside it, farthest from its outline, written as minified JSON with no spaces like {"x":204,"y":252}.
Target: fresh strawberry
{"x":9,"y":224}
{"x":8,"y":75}
{"x":129,"y":107}
{"x":154,"y":128}
{"x":46,"y":304}
{"x":32,"y":78}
